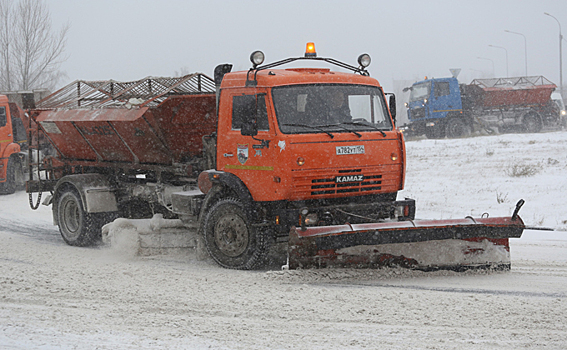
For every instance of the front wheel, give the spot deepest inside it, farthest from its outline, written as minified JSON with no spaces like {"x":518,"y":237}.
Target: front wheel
{"x":230,"y":239}
{"x":77,"y":227}
{"x":14,"y":177}
{"x":457,"y":128}
{"x":532,"y":123}
{"x":434,"y":132}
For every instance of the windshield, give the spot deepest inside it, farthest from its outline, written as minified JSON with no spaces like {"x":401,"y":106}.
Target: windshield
{"x":420,"y":91}
{"x":330,"y":108}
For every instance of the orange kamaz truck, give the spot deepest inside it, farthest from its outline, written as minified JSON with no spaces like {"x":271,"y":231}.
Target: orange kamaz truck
{"x":307,"y":156}
{"x":13,"y":143}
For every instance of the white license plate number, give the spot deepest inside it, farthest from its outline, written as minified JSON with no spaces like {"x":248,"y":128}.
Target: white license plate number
{"x":342,"y":150}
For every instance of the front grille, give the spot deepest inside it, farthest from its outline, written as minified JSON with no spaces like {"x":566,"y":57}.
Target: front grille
{"x":322,"y":183}
{"x":417,"y":113}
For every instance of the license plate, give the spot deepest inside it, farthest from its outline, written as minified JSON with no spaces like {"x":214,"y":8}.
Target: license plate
{"x":349,"y":178}
{"x":350,"y":150}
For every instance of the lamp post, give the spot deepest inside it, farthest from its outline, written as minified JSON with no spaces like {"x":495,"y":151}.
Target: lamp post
{"x":500,"y":47}
{"x":488,"y":59}
{"x":560,"y":54}
{"x":525,"y":48}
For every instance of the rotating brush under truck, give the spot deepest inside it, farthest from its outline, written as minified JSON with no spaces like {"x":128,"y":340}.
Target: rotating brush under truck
{"x":251,"y":159}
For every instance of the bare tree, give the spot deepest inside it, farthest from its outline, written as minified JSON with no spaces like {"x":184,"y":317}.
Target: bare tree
{"x":5,"y":41}
{"x":181,"y":72}
{"x":31,"y":54}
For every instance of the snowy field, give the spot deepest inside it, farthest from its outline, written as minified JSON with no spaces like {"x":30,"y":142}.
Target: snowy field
{"x":53,"y":296}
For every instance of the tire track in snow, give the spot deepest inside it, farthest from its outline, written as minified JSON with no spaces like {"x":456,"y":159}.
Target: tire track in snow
{"x":41,"y":233}
{"x":478,"y":291}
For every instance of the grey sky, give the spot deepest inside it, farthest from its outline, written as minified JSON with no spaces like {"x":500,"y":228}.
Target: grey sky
{"x":407,"y":40}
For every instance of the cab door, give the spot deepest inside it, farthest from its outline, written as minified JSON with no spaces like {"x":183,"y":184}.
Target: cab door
{"x":6,"y":135}
{"x":446,"y":98}
{"x":6,"y":139}
{"x":440,"y":93}
{"x":250,"y":158}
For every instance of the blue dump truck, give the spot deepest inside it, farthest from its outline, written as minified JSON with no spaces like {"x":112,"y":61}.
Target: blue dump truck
{"x":442,"y":107}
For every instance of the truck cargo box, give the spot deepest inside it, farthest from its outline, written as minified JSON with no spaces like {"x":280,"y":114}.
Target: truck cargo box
{"x":149,"y":121}
{"x":510,"y":92}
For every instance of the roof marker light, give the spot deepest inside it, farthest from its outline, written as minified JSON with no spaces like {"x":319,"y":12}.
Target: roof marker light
{"x":310,"y":50}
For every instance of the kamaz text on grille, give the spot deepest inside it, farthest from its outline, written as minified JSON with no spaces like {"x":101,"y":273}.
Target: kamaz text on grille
{"x":349,"y":178}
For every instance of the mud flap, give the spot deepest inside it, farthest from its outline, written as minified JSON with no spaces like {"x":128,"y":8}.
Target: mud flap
{"x":420,"y":244}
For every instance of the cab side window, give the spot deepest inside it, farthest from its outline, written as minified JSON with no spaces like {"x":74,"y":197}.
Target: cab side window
{"x":18,"y":130}
{"x":442,"y":89}
{"x":262,"y":116}
{"x":3,"y":119}
{"x":249,"y":107}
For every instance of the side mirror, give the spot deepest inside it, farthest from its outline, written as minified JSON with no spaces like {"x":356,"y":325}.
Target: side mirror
{"x":393,"y":107}
{"x":249,"y":128}
{"x":220,"y":71}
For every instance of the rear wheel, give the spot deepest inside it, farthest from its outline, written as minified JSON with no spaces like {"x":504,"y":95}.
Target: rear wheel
{"x":77,"y":227}
{"x":230,"y":239}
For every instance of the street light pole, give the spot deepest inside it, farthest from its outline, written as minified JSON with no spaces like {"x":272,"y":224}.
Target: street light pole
{"x":500,"y":47}
{"x":525,"y":48}
{"x":560,"y":54}
{"x":488,"y":59}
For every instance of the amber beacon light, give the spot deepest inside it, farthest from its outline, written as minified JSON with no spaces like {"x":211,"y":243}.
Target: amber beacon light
{"x":310,"y":50}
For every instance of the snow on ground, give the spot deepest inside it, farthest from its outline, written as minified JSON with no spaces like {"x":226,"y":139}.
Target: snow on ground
{"x":459,"y":177}
{"x":53,"y":296}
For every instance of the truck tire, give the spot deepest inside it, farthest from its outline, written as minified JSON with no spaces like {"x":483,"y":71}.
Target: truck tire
{"x":457,"y":128}
{"x":230,"y":239}
{"x":532,"y":123}
{"x":14,"y":177}
{"x":434,"y":132}
{"x":77,"y":227}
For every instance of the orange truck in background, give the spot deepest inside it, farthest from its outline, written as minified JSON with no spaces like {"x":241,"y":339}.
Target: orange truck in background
{"x":13,"y":146}
{"x":308,"y":156}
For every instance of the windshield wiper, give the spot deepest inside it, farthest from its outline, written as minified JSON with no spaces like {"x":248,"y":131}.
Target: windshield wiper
{"x":311,"y":127}
{"x":342,"y":127}
{"x":364,"y":124}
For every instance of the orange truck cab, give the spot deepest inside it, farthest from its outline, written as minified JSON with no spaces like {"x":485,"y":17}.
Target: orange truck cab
{"x":12,"y":143}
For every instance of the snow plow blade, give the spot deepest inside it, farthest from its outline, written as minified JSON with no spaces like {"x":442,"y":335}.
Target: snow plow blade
{"x":419,"y":244}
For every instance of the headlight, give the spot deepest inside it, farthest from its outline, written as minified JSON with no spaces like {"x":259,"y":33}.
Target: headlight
{"x":402,"y":211}
{"x":364,"y":60}
{"x":563,"y":112}
{"x":257,"y":58}
{"x":307,"y":219}
{"x":311,"y":219}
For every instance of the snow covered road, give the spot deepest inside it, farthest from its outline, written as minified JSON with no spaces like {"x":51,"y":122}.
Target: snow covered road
{"x":53,"y":296}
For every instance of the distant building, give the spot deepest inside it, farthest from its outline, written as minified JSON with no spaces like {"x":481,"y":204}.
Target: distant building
{"x":26,"y":99}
